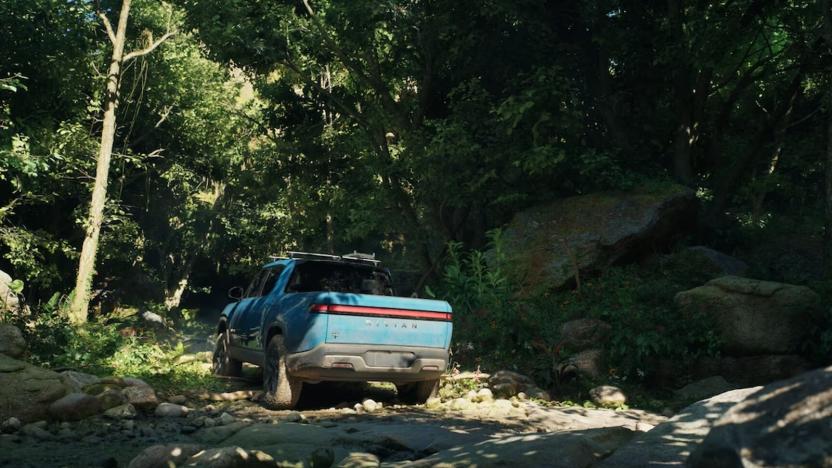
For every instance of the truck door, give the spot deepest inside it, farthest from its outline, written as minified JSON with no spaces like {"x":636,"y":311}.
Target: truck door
{"x":251,"y":325}
{"x":236,"y":327}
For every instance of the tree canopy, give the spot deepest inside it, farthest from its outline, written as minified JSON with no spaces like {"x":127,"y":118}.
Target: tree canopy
{"x":394,"y":127}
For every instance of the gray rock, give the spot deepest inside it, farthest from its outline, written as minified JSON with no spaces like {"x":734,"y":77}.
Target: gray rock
{"x":294,"y":416}
{"x":556,"y":449}
{"x":369,"y":405}
{"x":484,"y":395}
{"x":10,"y":425}
{"x":12,"y":343}
{"x":142,"y":397}
{"x":226,"y":419}
{"x":111,"y":398}
{"x":787,"y":423}
{"x":460,"y":404}
{"x":585,"y":333}
{"x":178,"y":399}
{"x":153,"y":319}
{"x":671,"y":442}
{"x":754,"y":317}
{"x":588,"y":363}
{"x":359,"y":460}
{"x":78,"y":380}
{"x":170,"y":410}
{"x":230,"y":457}
{"x":157,"y":456}
{"x":506,"y":383}
{"x":74,"y":407}
{"x":36,"y":431}
{"x":704,"y":388}
{"x":719,"y":262}
{"x":545,"y":243}
{"x":125,"y":411}
{"x":608,"y":396}
{"x":26,"y":391}
{"x":133,"y":382}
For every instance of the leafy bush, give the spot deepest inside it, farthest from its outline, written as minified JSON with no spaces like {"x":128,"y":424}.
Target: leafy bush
{"x":110,"y":349}
{"x":497,"y":327}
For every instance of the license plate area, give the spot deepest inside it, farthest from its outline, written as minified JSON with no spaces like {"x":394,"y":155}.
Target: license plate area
{"x":393,"y":359}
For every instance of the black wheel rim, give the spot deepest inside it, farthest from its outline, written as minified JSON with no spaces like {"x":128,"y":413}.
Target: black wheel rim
{"x":271,"y":373}
{"x":220,"y":355}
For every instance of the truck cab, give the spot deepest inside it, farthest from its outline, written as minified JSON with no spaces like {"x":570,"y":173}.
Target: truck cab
{"x":315,"y":317}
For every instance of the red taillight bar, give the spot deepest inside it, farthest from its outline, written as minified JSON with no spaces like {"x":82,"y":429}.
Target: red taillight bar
{"x":341,"y":309}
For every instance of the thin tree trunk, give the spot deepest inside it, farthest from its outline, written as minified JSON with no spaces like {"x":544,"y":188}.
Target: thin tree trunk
{"x":827,"y":237}
{"x":86,"y":264}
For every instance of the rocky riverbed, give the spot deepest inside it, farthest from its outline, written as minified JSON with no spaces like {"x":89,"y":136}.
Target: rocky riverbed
{"x":474,"y":430}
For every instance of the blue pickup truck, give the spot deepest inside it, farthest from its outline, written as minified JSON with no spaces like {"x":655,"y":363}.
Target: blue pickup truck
{"x":314,"y":317}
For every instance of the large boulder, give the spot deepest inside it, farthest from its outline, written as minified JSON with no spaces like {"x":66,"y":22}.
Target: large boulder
{"x":547,"y":243}
{"x":671,"y":442}
{"x":752,"y":316}
{"x":74,"y":407}
{"x":12,"y":343}
{"x":585,"y":333}
{"x":26,"y":391}
{"x":787,"y":423}
{"x":747,"y":371}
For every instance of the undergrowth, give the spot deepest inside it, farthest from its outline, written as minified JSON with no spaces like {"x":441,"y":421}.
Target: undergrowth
{"x":498,"y":324}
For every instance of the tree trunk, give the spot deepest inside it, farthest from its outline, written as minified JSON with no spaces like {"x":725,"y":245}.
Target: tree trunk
{"x":77,"y":313}
{"x":827,"y":235}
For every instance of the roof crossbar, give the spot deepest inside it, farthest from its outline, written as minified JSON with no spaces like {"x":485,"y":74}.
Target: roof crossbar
{"x":354,"y":257}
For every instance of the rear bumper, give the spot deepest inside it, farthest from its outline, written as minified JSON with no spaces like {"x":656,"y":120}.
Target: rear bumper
{"x":351,"y":362}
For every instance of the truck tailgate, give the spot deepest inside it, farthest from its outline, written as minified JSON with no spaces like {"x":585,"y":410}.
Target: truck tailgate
{"x":386,"y":320}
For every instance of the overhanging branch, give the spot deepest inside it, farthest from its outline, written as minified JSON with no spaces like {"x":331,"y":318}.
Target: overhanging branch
{"x":150,"y":48}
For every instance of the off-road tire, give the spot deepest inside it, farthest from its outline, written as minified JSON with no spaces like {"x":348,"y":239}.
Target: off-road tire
{"x":222,"y":363}
{"x":280,"y":390}
{"x":417,"y":393}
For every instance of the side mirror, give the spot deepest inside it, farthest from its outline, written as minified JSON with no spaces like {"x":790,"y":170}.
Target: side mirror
{"x":235,"y":293}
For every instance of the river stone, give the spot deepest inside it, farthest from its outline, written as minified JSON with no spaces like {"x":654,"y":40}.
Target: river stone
{"x":157,"y":456}
{"x":752,"y":316}
{"x":74,"y":407}
{"x":787,"y":423}
{"x":671,"y":442}
{"x":608,"y":396}
{"x":12,"y":343}
{"x":142,"y":397}
{"x":547,"y":242}
{"x":26,"y":391}
{"x":111,"y":398}
{"x":171,"y":410}
{"x":125,"y":411}
{"x":230,"y":457}
{"x":588,"y":363}
{"x":10,"y":425}
{"x":359,"y":460}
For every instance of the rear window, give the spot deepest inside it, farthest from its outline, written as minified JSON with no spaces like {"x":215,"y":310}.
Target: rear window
{"x":339,"y":277}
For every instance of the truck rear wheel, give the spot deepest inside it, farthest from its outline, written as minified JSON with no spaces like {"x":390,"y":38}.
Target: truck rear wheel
{"x":222,"y":363}
{"x":418,"y":393}
{"x":280,"y":390}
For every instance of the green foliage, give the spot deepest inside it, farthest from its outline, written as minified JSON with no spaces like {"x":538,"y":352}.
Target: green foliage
{"x":495,"y":326}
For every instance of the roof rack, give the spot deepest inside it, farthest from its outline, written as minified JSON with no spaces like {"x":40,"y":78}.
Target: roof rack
{"x":354,"y":257}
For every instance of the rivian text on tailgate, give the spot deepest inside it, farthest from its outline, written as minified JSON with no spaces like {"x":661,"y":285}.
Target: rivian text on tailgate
{"x":308,"y":318}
